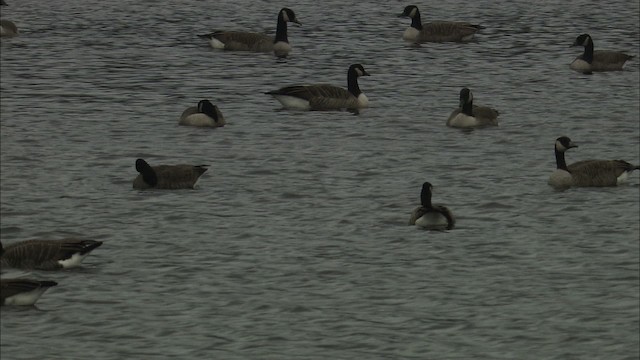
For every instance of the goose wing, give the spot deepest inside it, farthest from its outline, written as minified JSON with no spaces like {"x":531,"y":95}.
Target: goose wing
{"x":178,"y":176}
{"x":416,"y":214}
{"x":11,"y":287}
{"x":486,"y":114}
{"x":610,"y":58}
{"x":444,"y":211}
{"x":45,"y":254}
{"x":448,"y":31}
{"x":240,"y":40}
{"x":598,"y":172}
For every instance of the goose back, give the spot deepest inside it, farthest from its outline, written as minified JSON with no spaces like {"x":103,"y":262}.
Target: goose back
{"x":23,"y":291}
{"x":47,"y":254}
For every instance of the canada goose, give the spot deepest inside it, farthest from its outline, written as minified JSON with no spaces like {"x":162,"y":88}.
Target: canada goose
{"x":600,"y":60}
{"x":23,"y":291}
{"x":46,"y":254}
{"x":431,"y":216}
{"x":167,"y":176}
{"x":205,"y":115}
{"x":251,"y":41}
{"x":436,"y":31}
{"x":325,"y":96}
{"x":587,"y":173}
{"x":469,"y":115}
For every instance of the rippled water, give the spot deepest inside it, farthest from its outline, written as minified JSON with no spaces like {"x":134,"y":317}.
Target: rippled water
{"x":295,"y":244}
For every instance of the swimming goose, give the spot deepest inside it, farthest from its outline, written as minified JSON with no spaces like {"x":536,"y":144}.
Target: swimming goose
{"x":251,"y":41}
{"x":587,"y":173}
{"x":46,"y":254}
{"x":325,"y":96}
{"x":600,"y":60}
{"x":468,"y":115}
{"x":167,"y":176}
{"x":436,"y":31}
{"x":205,"y":115}
{"x":23,"y":291}
{"x":431,"y":216}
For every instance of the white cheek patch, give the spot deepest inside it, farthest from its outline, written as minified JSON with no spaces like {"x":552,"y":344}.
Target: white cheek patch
{"x":73,"y":261}
{"x":412,"y":14}
{"x":285,"y":17}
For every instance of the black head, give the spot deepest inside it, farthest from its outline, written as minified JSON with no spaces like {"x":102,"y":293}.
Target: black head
{"x":466,"y":96}
{"x":427,"y":187}
{"x":410,"y":11}
{"x":288,"y":15}
{"x":358,"y":70}
{"x":563,"y":144}
{"x":207,"y":108}
{"x":582,"y":40}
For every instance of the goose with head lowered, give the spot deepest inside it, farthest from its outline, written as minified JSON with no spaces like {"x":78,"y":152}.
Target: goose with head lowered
{"x":256,"y":42}
{"x":23,"y":291}
{"x":598,"y":60}
{"x":325,"y":96}
{"x":167,"y":176}
{"x":46,"y":254}
{"x":204,"y":115}
{"x":436,"y":31}
{"x":468,"y":115}
{"x":430,"y":216}
{"x":587,"y":173}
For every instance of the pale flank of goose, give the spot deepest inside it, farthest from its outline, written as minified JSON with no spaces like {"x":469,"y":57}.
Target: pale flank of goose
{"x":204,"y":115}
{"x":23,"y":291}
{"x":325,"y":96}
{"x":167,"y":176}
{"x":46,"y":254}
{"x":587,"y":173}
{"x":430,"y":216}
{"x":599,"y":60}
{"x":436,"y":31}
{"x":257,"y":42}
{"x":468,"y":115}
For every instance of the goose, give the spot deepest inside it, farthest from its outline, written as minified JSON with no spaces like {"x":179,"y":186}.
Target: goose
{"x":205,"y":115}
{"x":257,"y":42}
{"x":468,"y":115}
{"x":429,"y":216}
{"x":436,"y":31}
{"x":167,"y":176}
{"x":46,"y":254}
{"x":587,"y":173}
{"x":325,"y":96}
{"x":600,"y":60}
{"x":23,"y":291}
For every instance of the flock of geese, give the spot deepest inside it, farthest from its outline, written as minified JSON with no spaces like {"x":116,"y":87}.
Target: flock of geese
{"x":66,"y":253}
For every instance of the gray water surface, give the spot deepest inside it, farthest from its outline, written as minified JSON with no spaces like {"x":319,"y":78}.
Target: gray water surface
{"x":294,"y":245}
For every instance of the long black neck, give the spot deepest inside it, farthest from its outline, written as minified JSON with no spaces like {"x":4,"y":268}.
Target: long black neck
{"x":352,"y":83}
{"x":416,"y":22}
{"x":467,"y":108}
{"x":560,"y":162}
{"x":281,"y":30}
{"x":425,"y":199}
{"x":588,"y":52}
